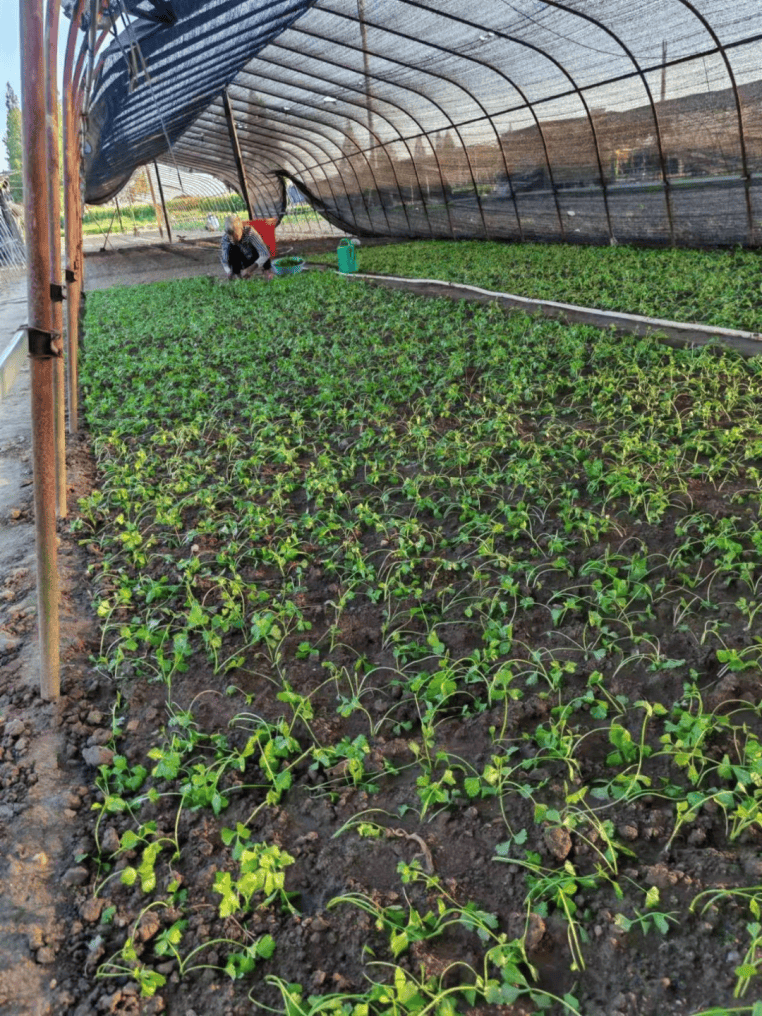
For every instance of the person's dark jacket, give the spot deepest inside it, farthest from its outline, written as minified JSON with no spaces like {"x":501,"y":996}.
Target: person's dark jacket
{"x":250,"y":249}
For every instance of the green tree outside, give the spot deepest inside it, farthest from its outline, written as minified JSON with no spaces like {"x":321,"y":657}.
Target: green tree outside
{"x":12,"y":141}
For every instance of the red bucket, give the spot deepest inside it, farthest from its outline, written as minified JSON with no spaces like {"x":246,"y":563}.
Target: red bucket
{"x":266,"y":229}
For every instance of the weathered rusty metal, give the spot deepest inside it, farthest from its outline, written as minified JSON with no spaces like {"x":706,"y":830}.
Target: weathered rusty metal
{"x":155,"y":204}
{"x":40,"y":311}
{"x":54,"y":232}
{"x":163,"y":202}
{"x":72,"y":215}
{"x":237,"y":153}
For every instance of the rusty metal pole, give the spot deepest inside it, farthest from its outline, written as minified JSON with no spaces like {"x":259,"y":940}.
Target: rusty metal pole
{"x":119,"y":213}
{"x":163,"y":202}
{"x":43,"y":347}
{"x":54,"y":232}
{"x":155,"y":203}
{"x":366,"y":70}
{"x":73,"y":217}
{"x":237,"y":153}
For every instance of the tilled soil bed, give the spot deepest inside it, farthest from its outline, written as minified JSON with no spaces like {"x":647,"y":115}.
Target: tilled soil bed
{"x":415,"y":670}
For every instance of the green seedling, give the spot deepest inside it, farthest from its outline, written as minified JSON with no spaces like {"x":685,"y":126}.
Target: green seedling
{"x":262,"y":870}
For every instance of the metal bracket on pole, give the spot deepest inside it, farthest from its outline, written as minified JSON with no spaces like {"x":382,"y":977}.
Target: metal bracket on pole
{"x":43,"y":345}
{"x":57,"y":292}
{"x":71,"y":276}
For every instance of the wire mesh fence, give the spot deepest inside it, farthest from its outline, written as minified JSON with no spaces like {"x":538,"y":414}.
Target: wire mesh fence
{"x":12,"y":250}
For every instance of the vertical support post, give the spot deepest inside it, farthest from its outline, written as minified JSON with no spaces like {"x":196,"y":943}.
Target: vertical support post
{"x":664,"y":70}
{"x":73,"y":220}
{"x":54,"y":235}
{"x":119,"y":213}
{"x":33,"y":117}
{"x":155,"y":204}
{"x":237,"y":153}
{"x":163,"y":202}
{"x":366,"y":69}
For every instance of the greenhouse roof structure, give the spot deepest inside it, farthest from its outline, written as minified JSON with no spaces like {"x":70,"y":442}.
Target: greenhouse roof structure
{"x":590,"y":120}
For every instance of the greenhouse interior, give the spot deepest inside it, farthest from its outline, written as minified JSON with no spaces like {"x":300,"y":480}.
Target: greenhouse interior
{"x":381,"y":509}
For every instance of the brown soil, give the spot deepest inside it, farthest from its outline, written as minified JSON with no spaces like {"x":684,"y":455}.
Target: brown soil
{"x":52,"y":849}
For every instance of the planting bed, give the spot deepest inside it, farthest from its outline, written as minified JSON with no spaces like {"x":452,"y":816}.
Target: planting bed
{"x":715,"y":287}
{"x":428,"y":663}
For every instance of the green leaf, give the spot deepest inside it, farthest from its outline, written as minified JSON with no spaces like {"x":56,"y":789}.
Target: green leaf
{"x":745,"y":970}
{"x":623,"y":922}
{"x":265,"y":947}
{"x":239,"y":964}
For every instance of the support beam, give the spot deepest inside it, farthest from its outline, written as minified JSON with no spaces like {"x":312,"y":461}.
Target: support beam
{"x":366,"y":70}
{"x":155,"y":203}
{"x":73,"y":215}
{"x":237,"y":153}
{"x":43,"y":348}
{"x":163,"y":202}
{"x":54,"y":236}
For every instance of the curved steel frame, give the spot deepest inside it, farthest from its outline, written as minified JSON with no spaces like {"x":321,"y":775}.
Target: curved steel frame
{"x":263,"y":162}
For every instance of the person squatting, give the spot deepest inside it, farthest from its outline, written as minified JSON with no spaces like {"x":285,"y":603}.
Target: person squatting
{"x":243,"y":251}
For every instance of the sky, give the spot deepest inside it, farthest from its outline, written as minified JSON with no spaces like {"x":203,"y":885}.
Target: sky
{"x":10,"y":59}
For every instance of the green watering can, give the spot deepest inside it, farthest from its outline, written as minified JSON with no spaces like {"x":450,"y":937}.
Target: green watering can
{"x":347,"y":256}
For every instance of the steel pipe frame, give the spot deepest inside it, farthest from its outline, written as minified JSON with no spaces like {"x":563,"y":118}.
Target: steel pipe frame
{"x":237,"y":152}
{"x":332,"y":161}
{"x":72,"y":215}
{"x":74,"y":94}
{"x":639,"y":73}
{"x":739,"y":113}
{"x":329,"y":161}
{"x":210,"y":112}
{"x":441,"y":77}
{"x":330,"y":127}
{"x":73,"y":100}
{"x":215,"y":161}
{"x":163,"y":202}
{"x":407,"y":113}
{"x":423,"y":133}
{"x":37,"y":215}
{"x":54,"y":231}
{"x":485,"y":115}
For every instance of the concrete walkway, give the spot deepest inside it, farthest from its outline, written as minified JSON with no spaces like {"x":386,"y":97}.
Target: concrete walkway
{"x":12,"y":316}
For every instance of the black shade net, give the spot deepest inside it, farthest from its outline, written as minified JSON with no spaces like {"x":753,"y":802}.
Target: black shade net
{"x":634,"y":121}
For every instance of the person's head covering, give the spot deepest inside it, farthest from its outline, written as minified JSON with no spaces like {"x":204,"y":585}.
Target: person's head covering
{"x":234,"y":227}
